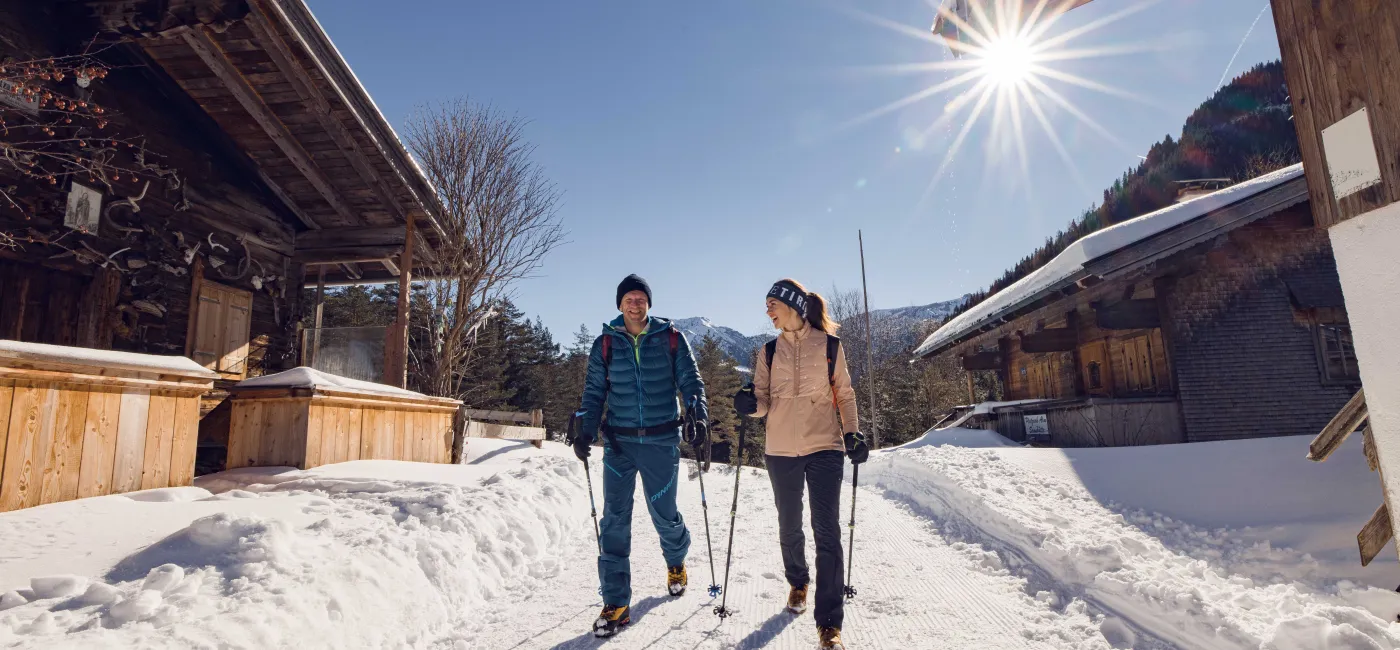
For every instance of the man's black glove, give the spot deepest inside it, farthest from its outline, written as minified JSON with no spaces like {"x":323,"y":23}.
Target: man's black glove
{"x":745,"y":402}
{"x":856,"y":448}
{"x":575,"y":438}
{"x":700,"y":437}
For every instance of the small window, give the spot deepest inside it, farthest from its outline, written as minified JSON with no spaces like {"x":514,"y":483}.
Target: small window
{"x":1095,"y":375}
{"x":1338,"y":353}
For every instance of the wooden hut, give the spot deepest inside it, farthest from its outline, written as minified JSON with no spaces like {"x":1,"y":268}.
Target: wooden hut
{"x":174,"y":172}
{"x":1216,"y":318}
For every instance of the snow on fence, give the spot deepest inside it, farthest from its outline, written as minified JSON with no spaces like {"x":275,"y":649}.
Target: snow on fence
{"x":76,"y":422}
{"x":305,"y":418}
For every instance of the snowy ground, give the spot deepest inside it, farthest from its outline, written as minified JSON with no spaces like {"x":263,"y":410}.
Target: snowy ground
{"x":962,"y":542}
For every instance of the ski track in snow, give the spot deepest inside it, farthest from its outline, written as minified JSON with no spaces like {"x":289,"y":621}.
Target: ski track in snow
{"x":915,"y":589}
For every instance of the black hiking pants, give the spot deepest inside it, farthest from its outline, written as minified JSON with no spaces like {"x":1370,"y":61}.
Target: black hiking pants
{"x":821,"y":472}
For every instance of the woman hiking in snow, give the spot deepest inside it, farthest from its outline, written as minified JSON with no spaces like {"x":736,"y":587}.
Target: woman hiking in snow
{"x":802,"y":384}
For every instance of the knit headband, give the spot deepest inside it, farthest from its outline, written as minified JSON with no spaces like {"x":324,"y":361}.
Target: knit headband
{"x":788,"y":294}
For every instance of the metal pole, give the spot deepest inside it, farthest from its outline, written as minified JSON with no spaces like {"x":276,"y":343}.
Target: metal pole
{"x":851,"y":545}
{"x":722,"y":611}
{"x":593,"y":505}
{"x":869,"y":348}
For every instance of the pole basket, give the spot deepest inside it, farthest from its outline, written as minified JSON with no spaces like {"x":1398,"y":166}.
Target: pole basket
{"x":850,"y":592}
{"x":715,"y":590}
{"x":723,"y":612}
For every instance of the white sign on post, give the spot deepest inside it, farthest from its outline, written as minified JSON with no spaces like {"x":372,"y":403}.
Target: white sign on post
{"x":1351,"y":155}
{"x":1037,"y":427}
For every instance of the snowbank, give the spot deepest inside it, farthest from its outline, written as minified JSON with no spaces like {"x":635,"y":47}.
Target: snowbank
{"x":103,"y":358}
{"x":960,"y":437}
{"x":345,"y":556}
{"x":304,"y":377}
{"x":1098,"y":244}
{"x":1221,"y":571}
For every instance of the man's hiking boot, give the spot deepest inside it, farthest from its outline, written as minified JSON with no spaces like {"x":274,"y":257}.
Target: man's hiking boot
{"x":676,"y":580}
{"x":797,"y":600}
{"x":611,"y":620}
{"x":830,"y":638}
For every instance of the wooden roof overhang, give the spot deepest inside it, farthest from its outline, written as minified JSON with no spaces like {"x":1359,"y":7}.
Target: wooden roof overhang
{"x":269,"y":76}
{"x":1142,"y":255}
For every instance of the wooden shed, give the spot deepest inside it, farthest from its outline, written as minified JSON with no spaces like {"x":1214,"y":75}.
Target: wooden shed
{"x":305,"y":418}
{"x":1217,"y":318}
{"x":81,"y":423}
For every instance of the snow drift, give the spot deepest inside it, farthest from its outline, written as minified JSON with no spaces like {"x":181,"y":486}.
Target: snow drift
{"x":1088,"y":524}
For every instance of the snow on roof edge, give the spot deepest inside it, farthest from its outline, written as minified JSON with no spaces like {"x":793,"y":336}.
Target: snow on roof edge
{"x":172,"y":365}
{"x":305,"y":377}
{"x":1096,"y":245}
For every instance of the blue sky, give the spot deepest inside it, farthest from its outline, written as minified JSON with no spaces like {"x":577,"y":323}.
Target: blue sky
{"x":702,"y":145}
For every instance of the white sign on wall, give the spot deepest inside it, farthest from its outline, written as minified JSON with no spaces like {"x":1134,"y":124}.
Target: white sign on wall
{"x":1351,"y":155}
{"x":1037,"y":427}
{"x":84,"y":208}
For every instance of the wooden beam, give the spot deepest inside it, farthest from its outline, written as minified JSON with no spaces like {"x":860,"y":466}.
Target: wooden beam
{"x":1374,"y":535}
{"x":354,"y":236}
{"x":1059,"y":339}
{"x":390,"y":266}
{"x":1368,"y":447}
{"x":286,"y":199}
{"x":988,"y":360}
{"x":500,"y":416}
{"x":396,"y":348}
{"x":1335,"y":433}
{"x":353,"y":270}
{"x":1128,"y":315}
{"x":346,"y":254}
{"x":192,"y":320}
{"x":213,"y":56}
{"x":320,"y":311}
{"x":286,"y":62}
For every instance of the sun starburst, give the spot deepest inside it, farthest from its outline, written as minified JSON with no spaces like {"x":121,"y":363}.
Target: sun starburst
{"x":1004,"y":65}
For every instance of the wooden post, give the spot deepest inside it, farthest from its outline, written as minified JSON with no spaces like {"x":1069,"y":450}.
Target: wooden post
{"x":196,"y":286}
{"x":971,"y":394}
{"x":537,"y":420}
{"x":396,"y":348}
{"x":320,"y":311}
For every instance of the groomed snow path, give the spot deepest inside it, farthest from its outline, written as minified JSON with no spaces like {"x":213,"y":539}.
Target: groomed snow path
{"x":916,"y":590}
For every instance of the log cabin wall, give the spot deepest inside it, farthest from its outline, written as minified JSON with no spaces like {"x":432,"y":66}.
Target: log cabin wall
{"x":1246,"y":351}
{"x":213,"y":212}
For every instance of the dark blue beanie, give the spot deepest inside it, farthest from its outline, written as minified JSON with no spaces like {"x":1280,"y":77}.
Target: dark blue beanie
{"x":632,"y":283}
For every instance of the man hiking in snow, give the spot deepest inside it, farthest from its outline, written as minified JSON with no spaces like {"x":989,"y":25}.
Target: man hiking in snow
{"x":637,"y":367}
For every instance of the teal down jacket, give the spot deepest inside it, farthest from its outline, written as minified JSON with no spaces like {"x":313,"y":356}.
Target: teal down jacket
{"x":644,"y":381}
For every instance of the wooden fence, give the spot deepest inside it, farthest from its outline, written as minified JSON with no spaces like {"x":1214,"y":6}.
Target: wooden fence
{"x":72,"y":429}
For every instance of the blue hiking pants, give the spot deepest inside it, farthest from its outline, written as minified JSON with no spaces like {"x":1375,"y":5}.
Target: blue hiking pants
{"x":659,"y":466}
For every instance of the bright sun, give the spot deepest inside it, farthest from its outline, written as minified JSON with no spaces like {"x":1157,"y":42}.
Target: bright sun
{"x":1004,"y":66}
{"x":1007,"y":60}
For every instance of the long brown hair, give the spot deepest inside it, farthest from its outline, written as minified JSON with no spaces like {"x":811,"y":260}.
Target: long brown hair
{"x":817,"y":314}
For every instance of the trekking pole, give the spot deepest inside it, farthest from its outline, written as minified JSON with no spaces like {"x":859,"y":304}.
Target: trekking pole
{"x":715,"y":589}
{"x":851,"y":545}
{"x":570,"y":437}
{"x":722,"y":611}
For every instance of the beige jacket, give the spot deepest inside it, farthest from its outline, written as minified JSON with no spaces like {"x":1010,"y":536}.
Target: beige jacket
{"x":796,"y":397}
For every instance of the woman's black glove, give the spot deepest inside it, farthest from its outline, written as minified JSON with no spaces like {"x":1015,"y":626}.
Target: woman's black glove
{"x":745,"y":402}
{"x":856,"y":448}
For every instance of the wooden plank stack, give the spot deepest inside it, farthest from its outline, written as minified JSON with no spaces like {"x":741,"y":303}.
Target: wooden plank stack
{"x":74,"y":426}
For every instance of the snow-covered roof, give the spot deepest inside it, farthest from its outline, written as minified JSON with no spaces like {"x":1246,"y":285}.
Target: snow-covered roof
{"x":304,"y":377}
{"x":1095,"y":245}
{"x":69,"y":355}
